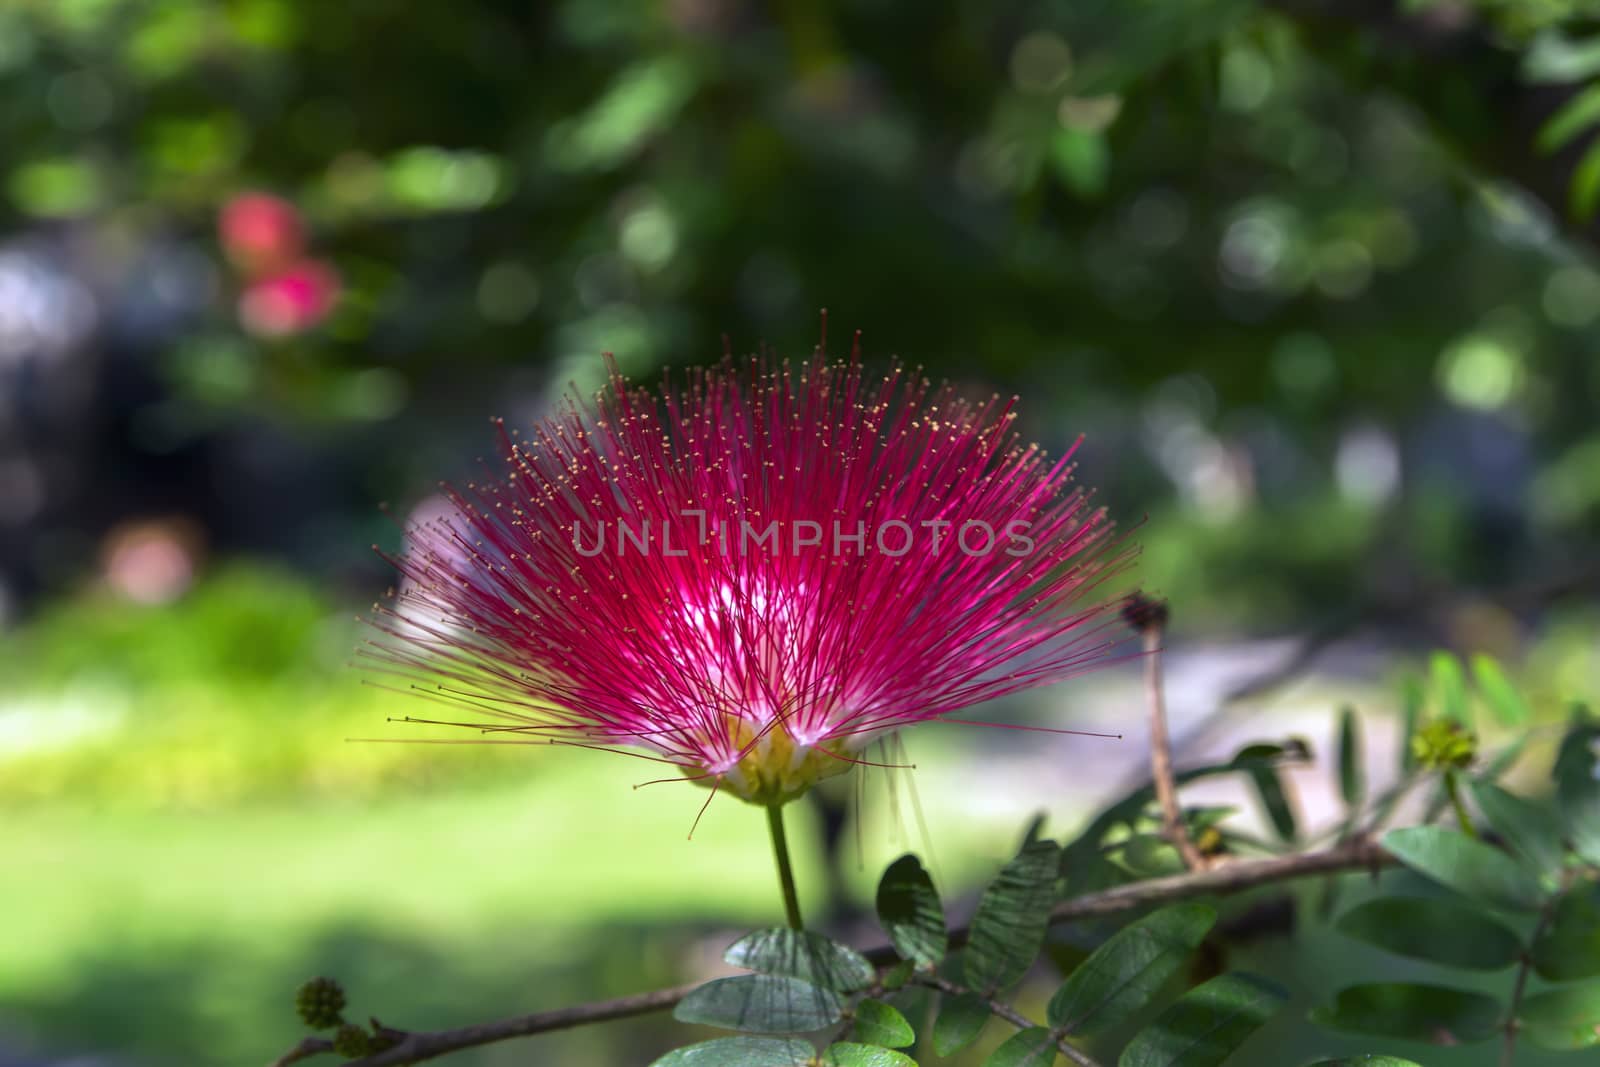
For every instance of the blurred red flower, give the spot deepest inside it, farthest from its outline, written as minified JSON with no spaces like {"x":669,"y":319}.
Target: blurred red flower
{"x":260,"y":233}
{"x":290,"y":301}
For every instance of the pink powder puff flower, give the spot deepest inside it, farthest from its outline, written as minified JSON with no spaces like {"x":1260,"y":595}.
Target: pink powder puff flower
{"x":756,"y":574}
{"x":290,"y":301}
{"x":260,"y":232}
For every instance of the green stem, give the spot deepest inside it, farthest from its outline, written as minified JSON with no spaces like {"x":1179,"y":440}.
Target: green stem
{"x":780,"y":849}
{"x":1452,"y":788}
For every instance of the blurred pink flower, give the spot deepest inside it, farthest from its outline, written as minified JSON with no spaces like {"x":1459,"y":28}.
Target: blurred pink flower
{"x":261,"y":233}
{"x":754,"y":576}
{"x":290,"y":301}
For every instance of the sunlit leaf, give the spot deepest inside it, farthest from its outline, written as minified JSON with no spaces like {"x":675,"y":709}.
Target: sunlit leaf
{"x":961,"y":1019}
{"x":878,"y":1023}
{"x":1530,"y":830}
{"x":803,"y":954}
{"x":1554,"y":57}
{"x":1573,"y":117}
{"x":909,"y":909}
{"x":1563,"y":1019}
{"x":741,"y":1052}
{"x":761,"y":1004}
{"x":1207,"y":1024}
{"x":1444,"y":931}
{"x":1082,"y":160}
{"x":1009,"y":926}
{"x":1569,"y":947}
{"x":1584,"y":194}
{"x":1125,"y":973}
{"x":1468,"y":866}
{"x":1033,"y":1047}
{"x":1450,"y":687}
{"x":1498,"y":692}
{"x":851,"y":1054}
{"x":1413,"y":1012}
{"x":641,"y":102}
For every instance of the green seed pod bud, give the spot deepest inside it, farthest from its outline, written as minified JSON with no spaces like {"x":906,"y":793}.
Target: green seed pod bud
{"x":320,"y":1003}
{"x":352,"y":1042}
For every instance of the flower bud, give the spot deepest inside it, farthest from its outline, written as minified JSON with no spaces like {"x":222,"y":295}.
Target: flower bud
{"x":1144,"y":613}
{"x":1444,"y":745}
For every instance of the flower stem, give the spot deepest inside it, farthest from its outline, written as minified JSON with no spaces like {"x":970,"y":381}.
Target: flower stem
{"x":1453,"y":788}
{"x":780,"y":849}
{"x":1161,"y":755}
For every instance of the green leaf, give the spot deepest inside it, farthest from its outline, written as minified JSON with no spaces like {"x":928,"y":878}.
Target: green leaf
{"x":1081,"y":160}
{"x":1438,"y":1014}
{"x":1352,"y":782}
{"x":898,"y":975}
{"x":1009,"y":926}
{"x":909,"y":909}
{"x":1084,"y":852}
{"x":1468,"y":866}
{"x":1573,"y":117}
{"x":961,"y":1020}
{"x":1569,"y":947}
{"x":1367,"y":1061}
{"x":1530,"y":830}
{"x":1498,"y":692}
{"x":850,"y":1054}
{"x":1563,"y":1019}
{"x":1206,"y":1024}
{"x":1450,"y":686}
{"x":761,"y":1004}
{"x":741,"y":1052}
{"x":803,"y":954}
{"x":1149,"y":855}
{"x":1555,"y":57}
{"x":1443,"y":931}
{"x":1125,"y":973}
{"x":1412,"y":699}
{"x":878,"y":1023}
{"x":1269,"y":787}
{"x":1584,"y":193}
{"x":1578,"y":788}
{"x":1033,"y":1047}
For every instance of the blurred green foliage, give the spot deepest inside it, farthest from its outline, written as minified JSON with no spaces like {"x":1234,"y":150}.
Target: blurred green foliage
{"x":239,"y":691}
{"x":1331,"y":351}
{"x":1193,"y":230}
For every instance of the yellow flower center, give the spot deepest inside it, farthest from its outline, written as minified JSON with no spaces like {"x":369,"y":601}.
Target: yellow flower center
{"x":776,"y":768}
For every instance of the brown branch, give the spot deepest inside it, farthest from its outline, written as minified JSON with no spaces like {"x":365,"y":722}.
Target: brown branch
{"x":1161,"y":754}
{"x":1015,"y":1018}
{"x":311,"y":1046}
{"x":428,"y":1045}
{"x":1508,"y":1046}
{"x":1232,"y":877}
{"x":1224,"y":879}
